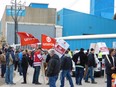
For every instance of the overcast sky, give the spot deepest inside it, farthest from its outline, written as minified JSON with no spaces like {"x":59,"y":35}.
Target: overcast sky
{"x":78,"y":5}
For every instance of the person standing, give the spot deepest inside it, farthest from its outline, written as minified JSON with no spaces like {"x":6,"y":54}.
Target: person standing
{"x":24,"y":65}
{"x":80,"y":60}
{"x":47,"y":60}
{"x":110,"y":64}
{"x":53,"y":68}
{"x":91,"y":65}
{"x":66,"y":67}
{"x":20,"y":55}
{"x":3,"y":63}
{"x":86,"y":64}
{"x":10,"y":58}
{"x":70,"y":52}
{"x":37,"y":62}
{"x":16,"y":60}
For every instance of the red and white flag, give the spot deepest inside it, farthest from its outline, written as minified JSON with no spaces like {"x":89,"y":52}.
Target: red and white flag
{"x":34,"y":45}
{"x":47,"y":42}
{"x":26,"y":38}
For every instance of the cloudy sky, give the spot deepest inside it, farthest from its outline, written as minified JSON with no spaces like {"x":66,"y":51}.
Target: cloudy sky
{"x":78,"y":5}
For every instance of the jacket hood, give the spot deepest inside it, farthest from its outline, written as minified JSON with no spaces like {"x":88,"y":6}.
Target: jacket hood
{"x":55,"y":57}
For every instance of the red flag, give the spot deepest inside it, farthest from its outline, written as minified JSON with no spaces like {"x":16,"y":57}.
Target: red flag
{"x":47,"y":42}
{"x":26,"y":38}
{"x":34,"y":45}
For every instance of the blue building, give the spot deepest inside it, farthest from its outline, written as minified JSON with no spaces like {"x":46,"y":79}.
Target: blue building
{"x":38,"y":5}
{"x":102,"y":8}
{"x":76,"y":23}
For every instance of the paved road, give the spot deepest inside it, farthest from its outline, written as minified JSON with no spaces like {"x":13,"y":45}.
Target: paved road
{"x":18,"y":79}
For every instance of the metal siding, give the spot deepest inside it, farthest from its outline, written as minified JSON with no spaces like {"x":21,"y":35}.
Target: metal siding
{"x":60,"y":20}
{"x":76,"y":23}
{"x":35,"y":30}
{"x":101,"y":7}
{"x":77,"y":44}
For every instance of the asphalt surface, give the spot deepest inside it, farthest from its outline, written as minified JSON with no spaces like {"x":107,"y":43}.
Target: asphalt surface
{"x":18,"y":79}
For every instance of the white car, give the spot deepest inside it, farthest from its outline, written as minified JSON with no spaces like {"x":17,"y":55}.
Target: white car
{"x":97,"y":70}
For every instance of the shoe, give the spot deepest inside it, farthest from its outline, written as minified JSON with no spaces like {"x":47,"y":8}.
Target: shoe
{"x":47,"y":84}
{"x":23,"y":83}
{"x":80,"y":84}
{"x":87,"y":81}
{"x":94,"y":82}
{"x":38,"y":83}
{"x":13,"y":83}
{"x":33,"y":82}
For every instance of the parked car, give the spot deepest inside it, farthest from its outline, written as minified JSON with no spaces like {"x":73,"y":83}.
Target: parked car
{"x":97,"y":70}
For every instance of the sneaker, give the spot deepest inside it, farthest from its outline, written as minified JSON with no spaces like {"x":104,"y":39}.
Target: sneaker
{"x":38,"y":83}
{"x":87,"y":81}
{"x":94,"y":82}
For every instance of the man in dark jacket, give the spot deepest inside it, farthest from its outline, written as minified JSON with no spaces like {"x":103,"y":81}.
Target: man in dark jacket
{"x":53,"y":68}
{"x":110,"y":64}
{"x":24,"y":65}
{"x":91,"y":65}
{"x":66,"y":67}
{"x":80,"y":60}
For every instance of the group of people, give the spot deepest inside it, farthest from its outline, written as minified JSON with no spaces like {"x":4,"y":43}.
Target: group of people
{"x":53,"y":65}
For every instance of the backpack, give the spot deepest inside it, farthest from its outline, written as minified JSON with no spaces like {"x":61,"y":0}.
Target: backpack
{"x":10,"y":60}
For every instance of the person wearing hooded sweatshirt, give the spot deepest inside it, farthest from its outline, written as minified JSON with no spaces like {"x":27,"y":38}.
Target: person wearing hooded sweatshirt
{"x":66,"y":67}
{"x":80,"y":60}
{"x":9,"y":66}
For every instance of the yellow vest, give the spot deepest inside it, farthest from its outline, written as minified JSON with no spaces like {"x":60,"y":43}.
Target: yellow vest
{"x":100,"y":55}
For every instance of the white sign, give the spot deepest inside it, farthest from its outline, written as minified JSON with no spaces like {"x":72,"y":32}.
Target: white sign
{"x":101,"y":46}
{"x":60,"y":47}
{"x":114,"y":45}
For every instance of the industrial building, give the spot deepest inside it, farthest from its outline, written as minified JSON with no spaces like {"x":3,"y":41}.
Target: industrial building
{"x":75,"y":23}
{"x":35,"y":19}
{"x":102,"y":8}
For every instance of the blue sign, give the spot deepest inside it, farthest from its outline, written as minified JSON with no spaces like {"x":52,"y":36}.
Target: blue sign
{"x":10,"y":12}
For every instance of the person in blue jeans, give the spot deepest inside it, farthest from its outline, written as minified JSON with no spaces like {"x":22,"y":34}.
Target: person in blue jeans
{"x":53,"y":68}
{"x":9,"y":66}
{"x":91,"y":65}
{"x":66,"y":67}
{"x":37,"y":65}
{"x":80,"y":61}
{"x":90,"y":73}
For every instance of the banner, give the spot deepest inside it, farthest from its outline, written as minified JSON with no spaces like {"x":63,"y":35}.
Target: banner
{"x":101,"y":46}
{"x":47,"y":42}
{"x":34,"y":45}
{"x":60,"y":47}
{"x":26,"y":38}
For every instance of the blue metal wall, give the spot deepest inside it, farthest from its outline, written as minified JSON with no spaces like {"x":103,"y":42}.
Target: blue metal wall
{"x":102,"y":8}
{"x":85,"y":43}
{"x":38,"y":5}
{"x":76,"y":23}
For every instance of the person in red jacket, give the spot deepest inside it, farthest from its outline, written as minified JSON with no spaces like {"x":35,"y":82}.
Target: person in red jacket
{"x":37,"y":62}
